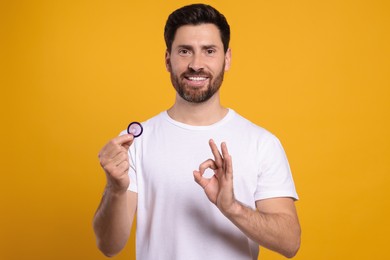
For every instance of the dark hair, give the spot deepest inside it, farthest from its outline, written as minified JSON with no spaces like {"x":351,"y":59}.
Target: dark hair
{"x":196,"y":14}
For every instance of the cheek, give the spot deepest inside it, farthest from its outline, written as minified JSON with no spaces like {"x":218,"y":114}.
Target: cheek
{"x":218,"y":64}
{"x":219,"y":68}
{"x":176,"y":67}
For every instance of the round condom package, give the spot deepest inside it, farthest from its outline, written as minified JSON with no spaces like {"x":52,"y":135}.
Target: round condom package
{"x":135,"y":129}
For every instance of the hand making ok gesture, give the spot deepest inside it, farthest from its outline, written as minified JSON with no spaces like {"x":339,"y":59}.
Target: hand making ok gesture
{"x":218,"y":188}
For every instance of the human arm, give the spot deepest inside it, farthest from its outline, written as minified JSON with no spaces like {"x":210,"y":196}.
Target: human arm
{"x":114,"y":217}
{"x":273,"y":224}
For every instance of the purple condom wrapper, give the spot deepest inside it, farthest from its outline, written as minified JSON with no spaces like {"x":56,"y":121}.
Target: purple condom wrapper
{"x":135,"y":128}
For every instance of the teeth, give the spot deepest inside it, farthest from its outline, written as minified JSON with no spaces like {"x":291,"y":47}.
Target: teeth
{"x":197,"y":78}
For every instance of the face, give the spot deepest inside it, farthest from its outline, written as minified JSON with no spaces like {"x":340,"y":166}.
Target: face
{"x":197,"y":62}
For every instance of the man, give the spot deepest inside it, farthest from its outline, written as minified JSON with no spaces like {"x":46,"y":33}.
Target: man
{"x":246,"y":201}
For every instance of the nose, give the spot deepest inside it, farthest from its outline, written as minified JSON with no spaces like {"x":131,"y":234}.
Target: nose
{"x":196,"y":63}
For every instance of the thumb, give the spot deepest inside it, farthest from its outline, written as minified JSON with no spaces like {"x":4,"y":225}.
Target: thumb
{"x":126,"y":141}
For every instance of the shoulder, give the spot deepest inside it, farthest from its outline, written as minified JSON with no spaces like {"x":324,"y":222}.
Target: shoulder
{"x":151,"y":122}
{"x":250,"y":128}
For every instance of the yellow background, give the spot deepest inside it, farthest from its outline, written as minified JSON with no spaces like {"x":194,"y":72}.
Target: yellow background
{"x":75,"y":73}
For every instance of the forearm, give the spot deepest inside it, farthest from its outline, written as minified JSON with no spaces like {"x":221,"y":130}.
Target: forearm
{"x":112,"y":222}
{"x":279,"y":232}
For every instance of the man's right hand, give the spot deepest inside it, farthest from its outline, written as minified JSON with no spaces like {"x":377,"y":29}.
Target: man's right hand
{"x":115,"y":162}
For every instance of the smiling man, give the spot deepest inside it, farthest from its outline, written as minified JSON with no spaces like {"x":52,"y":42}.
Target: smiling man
{"x":247,"y":201}
{"x":197,"y":61}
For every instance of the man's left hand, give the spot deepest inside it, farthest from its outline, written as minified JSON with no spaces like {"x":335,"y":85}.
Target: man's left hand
{"x":218,"y":188}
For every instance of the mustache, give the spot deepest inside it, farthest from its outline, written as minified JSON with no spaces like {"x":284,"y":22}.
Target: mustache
{"x":192,"y":73}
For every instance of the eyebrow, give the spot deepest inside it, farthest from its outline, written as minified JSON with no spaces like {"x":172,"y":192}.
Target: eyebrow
{"x":204,"y":47}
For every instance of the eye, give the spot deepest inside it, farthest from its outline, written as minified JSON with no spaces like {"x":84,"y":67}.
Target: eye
{"x":184,"y":52}
{"x":210,"y":51}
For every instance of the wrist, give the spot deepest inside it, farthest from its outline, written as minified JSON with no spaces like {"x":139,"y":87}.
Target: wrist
{"x":233,"y":210}
{"x":116,"y":186}
{"x":114,"y":190}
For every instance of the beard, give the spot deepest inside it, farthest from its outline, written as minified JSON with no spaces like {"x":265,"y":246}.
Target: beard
{"x":197,"y":95}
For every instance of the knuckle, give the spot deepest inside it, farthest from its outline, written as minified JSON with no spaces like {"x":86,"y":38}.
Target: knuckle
{"x":103,"y":159}
{"x":111,"y":142}
{"x":108,"y":168}
{"x":102,"y":162}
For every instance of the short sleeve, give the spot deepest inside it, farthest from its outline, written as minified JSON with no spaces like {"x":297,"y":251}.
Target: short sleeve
{"x":275,"y":178}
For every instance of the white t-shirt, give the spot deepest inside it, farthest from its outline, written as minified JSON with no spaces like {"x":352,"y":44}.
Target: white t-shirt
{"x":175,"y":220}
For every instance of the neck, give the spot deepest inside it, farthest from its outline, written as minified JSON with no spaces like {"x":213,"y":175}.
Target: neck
{"x":198,"y":114}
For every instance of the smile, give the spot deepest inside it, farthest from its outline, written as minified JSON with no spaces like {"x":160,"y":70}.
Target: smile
{"x":196,"y":78}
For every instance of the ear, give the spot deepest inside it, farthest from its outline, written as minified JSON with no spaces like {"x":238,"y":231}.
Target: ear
{"x":228,"y":58}
{"x":167,"y":61}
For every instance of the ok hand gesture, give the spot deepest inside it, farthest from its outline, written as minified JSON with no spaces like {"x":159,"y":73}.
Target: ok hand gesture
{"x":218,"y":188}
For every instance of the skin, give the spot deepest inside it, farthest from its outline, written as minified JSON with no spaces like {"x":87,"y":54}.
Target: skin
{"x":273,"y":224}
{"x":196,"y":50}
{"x":114,"y":216}
{"x":194,"y":82}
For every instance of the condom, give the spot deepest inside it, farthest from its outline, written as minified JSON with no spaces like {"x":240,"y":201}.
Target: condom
{"x":135,"y":129}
